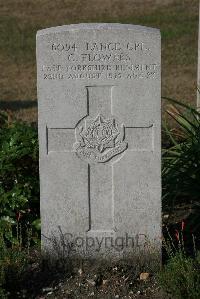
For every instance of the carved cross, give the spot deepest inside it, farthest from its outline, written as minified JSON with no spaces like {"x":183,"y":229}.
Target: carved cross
{"x":101,"y":141}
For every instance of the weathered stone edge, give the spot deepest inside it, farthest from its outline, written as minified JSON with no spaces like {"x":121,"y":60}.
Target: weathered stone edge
{"x":98,"y":26}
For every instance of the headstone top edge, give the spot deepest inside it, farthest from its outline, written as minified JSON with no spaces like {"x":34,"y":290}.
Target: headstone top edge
{"x":98,"y":26}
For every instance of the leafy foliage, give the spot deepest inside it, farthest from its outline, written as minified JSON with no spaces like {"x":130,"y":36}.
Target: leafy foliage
{"x":13,"y":264}
{"x":181,"y":276}
{"x":19,"y":181}
{"x":181,"y":162}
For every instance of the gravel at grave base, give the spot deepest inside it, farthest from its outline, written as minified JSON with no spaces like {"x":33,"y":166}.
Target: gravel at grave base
{"x":116,"y":283}
{"x":88,"y":279}
{"x":76,"y":289}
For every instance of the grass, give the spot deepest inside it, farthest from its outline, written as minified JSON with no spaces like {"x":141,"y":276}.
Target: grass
{"x":181,"y":276}
{"x":17,"y":40}
{"x":19,"y":21}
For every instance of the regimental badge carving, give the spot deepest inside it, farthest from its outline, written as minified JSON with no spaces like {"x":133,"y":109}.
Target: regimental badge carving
{"x":99,"y":139}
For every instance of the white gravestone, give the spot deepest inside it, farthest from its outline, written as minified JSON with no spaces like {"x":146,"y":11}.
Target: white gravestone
{"x":99,"y":135}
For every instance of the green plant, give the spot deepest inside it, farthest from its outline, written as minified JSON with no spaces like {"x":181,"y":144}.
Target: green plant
{"x":13,"y":263}
{"x":181,"y":276}
{"x":19,"y":181}
{"x":181,"y":162}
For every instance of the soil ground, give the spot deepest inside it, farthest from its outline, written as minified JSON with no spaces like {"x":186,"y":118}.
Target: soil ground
{"x":97,"y":280}
{"x":20,"y":19}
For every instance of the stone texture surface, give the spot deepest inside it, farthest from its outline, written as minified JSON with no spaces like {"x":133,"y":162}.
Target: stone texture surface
{"x":99,"y":136}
